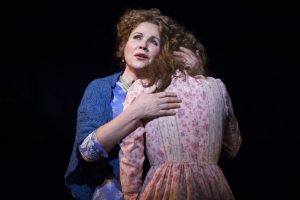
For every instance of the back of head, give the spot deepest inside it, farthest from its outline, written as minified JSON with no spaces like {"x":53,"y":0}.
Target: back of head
{"x":166,"y":65}
{"x":188,"y":40}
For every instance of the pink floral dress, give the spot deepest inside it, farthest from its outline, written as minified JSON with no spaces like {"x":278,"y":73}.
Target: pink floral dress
{"x":184,"y":149}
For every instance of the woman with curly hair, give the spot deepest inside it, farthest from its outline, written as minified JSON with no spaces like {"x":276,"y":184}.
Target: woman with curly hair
{"x":93,"y":171}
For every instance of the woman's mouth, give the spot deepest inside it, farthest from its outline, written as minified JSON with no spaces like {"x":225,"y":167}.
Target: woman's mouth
{"x":141,"y":56}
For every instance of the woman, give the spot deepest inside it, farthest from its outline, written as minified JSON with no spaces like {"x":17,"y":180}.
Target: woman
{"x":183,"y":149}
{"x":93,"y":171}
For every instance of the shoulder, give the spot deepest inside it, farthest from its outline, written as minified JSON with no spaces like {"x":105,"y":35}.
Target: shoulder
{"x":213,"y":80}
{"x":99,"y":90}
{"x":112,"y":78}
{"x":220,"y":85}
{"x":104,"y":83}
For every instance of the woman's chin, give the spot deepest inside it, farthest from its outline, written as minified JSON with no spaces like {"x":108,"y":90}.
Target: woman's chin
{"x":140,"y":66}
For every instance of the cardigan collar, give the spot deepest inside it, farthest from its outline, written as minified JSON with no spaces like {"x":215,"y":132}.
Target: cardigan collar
{"x":114,"y":78}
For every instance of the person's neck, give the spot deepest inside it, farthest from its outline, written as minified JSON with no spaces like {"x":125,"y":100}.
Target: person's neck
{"x":129,"y":75}
{"x":127,"y":78}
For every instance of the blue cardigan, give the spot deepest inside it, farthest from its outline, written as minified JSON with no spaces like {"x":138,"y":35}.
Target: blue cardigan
{"x":94,"y":111}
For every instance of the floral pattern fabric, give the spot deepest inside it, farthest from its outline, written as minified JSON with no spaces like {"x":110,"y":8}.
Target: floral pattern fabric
{"x":183,"y":150}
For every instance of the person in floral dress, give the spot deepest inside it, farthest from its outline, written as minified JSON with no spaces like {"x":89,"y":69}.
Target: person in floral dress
{"x":183,"y":149}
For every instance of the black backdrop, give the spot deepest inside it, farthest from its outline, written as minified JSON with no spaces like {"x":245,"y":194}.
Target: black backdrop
{"x":51,"y":50}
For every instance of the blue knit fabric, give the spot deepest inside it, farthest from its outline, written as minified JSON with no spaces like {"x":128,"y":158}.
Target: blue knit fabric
{"x":94,"y":111}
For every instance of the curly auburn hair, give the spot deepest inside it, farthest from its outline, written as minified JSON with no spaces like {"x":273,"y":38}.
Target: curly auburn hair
{"x":172,"y":36}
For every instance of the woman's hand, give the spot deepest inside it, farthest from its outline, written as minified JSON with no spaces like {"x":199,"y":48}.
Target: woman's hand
{"x":191,"y":60}
{"x":147,"y":105}
{"x":150,"y":104}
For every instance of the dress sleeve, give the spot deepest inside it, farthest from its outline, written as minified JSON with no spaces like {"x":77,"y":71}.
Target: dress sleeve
{"x":132,"y":153}
{"x":232,"y":137}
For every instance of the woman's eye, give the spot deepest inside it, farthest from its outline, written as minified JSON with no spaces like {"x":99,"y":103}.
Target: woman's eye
{"x":154,"y":42}
{"x":137,"y":37}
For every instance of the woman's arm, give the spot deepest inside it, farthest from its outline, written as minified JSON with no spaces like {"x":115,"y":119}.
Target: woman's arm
{"x":146,"y":105}
{"x":232,"y":137}
{"x":131,"y":163}
{"x":132,"y":152}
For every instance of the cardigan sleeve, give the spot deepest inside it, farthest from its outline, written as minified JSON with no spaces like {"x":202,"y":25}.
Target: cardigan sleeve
{"x":94,"y":111}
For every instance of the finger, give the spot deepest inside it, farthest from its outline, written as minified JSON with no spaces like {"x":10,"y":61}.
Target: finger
{"x":168,"y":106}
{"x":179,"y":53}
{"x":190,"y":52}
{"x":180,"y":58}
{"x":165,"y":100}
{"x":150,"y":89}
{"x":166,"y":112}
{"x":186,"y":50}
{"x":166,"y":94}
{"x":186,"y":58}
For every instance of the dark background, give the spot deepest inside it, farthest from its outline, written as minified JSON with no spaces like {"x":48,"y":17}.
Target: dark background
{"x":51,"y":50}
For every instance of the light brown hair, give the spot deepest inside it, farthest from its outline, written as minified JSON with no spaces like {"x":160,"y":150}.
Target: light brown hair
{"x":172,"y":36}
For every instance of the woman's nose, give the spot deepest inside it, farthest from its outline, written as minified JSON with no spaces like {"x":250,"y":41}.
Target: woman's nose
{"x":143,"y":45}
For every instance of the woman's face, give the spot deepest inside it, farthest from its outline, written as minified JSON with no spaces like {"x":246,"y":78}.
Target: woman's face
{"x":142,"y":47}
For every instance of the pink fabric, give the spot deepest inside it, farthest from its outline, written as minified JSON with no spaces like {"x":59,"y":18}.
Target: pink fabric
{"x":183,"y":150}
